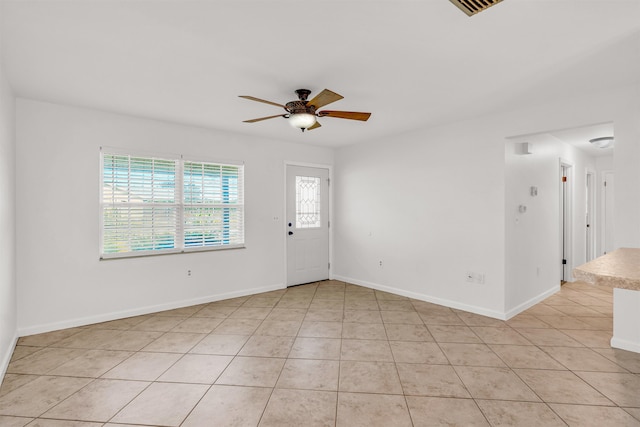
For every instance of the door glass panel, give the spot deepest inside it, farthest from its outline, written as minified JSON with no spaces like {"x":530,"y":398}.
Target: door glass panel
{"x":307,"y":202}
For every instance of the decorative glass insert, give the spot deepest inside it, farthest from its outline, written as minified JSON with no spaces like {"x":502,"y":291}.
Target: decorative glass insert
{"x":307,"y":202}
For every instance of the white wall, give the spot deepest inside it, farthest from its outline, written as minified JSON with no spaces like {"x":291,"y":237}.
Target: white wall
{"x":604,"y":163}
{"x":433,"y":205}
{"x":8,"y":311}
{"x":535,"y":253}
{"x":626,"y":158}
{"x":430,"y":206}
{"x":62,"y":283}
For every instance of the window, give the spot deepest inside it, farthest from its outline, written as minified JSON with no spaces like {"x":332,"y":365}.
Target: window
{"x":307,"y":202}
{"x":158,"y":204}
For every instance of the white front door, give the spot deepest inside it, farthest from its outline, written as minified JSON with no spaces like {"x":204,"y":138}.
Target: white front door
{"x":307,"y":224}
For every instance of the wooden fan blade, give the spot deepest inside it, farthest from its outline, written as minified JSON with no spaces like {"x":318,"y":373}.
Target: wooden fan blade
{"x":351,"y":115}
{"x":324,"y":98}
{"x":253,"y":98}
{"x":262,"y":118}
{"x":314,"y":126}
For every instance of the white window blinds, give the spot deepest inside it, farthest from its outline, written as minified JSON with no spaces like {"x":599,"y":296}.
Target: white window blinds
{"x":153,"y":205}
{"x":213,"y":205}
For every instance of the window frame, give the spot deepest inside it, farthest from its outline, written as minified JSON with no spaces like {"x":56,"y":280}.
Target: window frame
{"x":180,"y":244}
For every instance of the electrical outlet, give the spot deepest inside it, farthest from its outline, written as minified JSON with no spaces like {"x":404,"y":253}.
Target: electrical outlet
{"x":189,"y":273}
{"x":380,"y":263}
{"x":473,"y":277}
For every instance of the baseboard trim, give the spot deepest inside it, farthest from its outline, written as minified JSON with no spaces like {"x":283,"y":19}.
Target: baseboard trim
{"x":83,"y":321}
{"x":625,"y":345}
{"x":530,"y":303}
{"x":7,"y":357}
{"x":427,"y":298}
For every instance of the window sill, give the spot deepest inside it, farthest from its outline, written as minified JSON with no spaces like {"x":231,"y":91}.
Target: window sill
{"x":144,"y":254}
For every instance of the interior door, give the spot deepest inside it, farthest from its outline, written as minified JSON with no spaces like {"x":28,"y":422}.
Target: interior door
{"x":307,"y":224}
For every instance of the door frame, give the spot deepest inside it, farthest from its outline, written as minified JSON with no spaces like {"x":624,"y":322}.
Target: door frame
{"x":591,"y":214}
{"x":284,"y":212}
{"x":603,"y":210}
{"x":566,"y":200}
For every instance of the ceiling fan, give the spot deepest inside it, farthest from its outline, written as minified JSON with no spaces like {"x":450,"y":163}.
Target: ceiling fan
{"x":302,"y":113}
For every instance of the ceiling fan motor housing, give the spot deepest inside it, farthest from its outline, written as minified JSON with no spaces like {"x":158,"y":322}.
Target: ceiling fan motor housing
{"x":300,"y":107}
{"x":303,"y":94}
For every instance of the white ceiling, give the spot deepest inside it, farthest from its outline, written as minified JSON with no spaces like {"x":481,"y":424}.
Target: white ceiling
{"x":579,"y":137}
{"x":412,"y":63}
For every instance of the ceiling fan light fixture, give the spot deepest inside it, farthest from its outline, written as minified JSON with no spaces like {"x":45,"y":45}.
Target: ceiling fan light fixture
{"x":302,"y":120}
{"x":302,"y":114}
{"x":602,"y":142}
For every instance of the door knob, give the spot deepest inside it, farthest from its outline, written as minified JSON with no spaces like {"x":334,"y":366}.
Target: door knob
{"x":290,"y":233}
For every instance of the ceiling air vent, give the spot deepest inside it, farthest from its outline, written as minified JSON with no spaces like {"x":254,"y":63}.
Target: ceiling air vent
{"x":471,"y":7}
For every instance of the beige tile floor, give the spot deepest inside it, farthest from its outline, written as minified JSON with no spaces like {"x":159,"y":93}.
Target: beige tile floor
{"x":330,"y":354}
